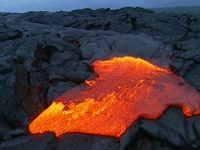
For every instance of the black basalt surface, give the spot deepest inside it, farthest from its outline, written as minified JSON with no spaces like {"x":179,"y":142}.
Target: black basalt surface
{"x":43,"y":54}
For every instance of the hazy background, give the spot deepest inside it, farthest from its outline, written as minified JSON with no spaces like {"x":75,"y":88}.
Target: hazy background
{"x":66,"y":5}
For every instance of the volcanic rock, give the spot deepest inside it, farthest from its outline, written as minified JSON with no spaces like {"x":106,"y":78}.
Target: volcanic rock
{"x":40,"y":142}
{"x":88,"y":142}
{"x":43,"y":54}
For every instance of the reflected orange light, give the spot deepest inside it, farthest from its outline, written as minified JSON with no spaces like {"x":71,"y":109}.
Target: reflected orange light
{"x":127,"y":89}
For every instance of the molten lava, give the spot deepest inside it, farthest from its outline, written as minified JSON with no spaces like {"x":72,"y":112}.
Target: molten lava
{"x":127,"y":89}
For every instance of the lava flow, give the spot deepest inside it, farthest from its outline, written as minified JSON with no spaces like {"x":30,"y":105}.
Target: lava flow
{"x":126,"y":89}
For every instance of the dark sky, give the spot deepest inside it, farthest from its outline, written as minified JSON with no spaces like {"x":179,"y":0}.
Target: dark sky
{"x":66,"y":5}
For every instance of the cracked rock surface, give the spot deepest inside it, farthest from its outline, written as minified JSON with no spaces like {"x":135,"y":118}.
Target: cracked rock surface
{"x":43,"y":54}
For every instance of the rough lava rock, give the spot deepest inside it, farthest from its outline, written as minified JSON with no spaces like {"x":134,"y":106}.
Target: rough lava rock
{"x":27,"y":142}
{"x":43,"y":54}
{"x":87,"y":142}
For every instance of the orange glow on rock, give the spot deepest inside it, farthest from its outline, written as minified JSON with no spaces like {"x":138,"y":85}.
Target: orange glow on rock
{"x":127,"y":89}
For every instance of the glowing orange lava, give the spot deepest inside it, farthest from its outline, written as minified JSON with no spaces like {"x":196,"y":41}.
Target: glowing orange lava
{"x":127,"y":89}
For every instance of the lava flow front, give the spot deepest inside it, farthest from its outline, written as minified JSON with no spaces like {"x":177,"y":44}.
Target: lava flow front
{"x":127,"y":89}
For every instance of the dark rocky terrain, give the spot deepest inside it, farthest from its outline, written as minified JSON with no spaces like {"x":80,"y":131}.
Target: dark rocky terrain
{"x":43,"y":54}
{"x":179,"y":10}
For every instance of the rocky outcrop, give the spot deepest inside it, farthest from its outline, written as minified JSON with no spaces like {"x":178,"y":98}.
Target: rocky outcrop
{"x":43,"y":54}
{"x":123,"y":20}
{"x":40,"y":142}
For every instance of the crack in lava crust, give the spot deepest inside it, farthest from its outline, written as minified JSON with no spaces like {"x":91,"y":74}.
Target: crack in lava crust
{"x":127,"y":89}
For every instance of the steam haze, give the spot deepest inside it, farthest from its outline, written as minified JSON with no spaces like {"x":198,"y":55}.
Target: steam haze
{"x":67,"y":5}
